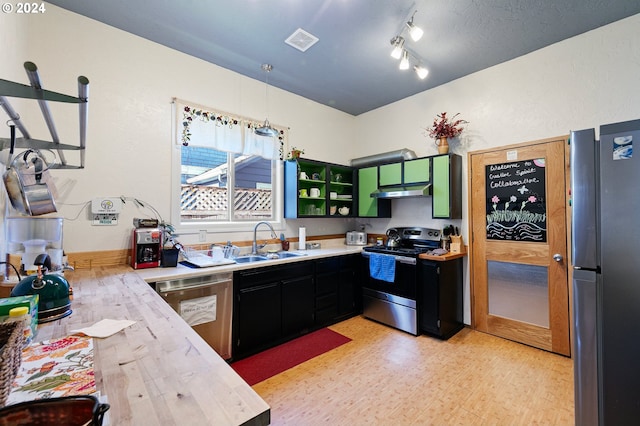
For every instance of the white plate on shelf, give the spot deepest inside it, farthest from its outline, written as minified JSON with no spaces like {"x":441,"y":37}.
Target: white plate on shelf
{"x":344,"y":197}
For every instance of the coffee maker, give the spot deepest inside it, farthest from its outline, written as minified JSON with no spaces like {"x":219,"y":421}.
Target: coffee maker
{"x":146,"y":245}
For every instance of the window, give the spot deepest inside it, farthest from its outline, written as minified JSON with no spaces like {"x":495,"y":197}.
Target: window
{"x":225,"y":176}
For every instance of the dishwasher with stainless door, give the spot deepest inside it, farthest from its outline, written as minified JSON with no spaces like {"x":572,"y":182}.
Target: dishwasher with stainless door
{"x":205,"y":303}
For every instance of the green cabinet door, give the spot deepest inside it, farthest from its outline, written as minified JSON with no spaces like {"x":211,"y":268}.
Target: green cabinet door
{"x":446,"y":187}
{"x":367,"y":183}
{"x":440,"y":187}
{"x":391,"y":174}
{"x":417,"y":170}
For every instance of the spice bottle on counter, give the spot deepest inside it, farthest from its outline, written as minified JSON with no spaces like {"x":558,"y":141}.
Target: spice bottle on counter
{"x":21,"y":315}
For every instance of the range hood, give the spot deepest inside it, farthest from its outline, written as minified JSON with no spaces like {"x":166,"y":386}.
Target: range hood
{"x":402,"y":191}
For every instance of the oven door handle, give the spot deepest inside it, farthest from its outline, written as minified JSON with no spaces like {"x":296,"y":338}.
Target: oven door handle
{"x":402,"y":259}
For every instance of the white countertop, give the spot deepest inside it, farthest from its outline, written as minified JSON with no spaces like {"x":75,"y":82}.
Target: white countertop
{"x":329,"y":248}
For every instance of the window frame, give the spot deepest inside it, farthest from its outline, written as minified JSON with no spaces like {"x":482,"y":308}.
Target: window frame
{"x":232,"y":225}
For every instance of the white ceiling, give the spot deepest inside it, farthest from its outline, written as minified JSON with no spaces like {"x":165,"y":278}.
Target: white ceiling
{"x":350,"y":67}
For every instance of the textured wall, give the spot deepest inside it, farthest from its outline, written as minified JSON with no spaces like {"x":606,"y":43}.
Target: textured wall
{"x":129,"y":145}
{"x":578,"y":83}
{"x":582,"y":82}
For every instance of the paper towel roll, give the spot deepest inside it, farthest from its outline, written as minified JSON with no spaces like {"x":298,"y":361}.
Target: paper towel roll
{"x":302,"y":238}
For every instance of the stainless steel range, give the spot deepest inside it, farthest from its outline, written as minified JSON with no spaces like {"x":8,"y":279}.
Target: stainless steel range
{"x":390,"y":289}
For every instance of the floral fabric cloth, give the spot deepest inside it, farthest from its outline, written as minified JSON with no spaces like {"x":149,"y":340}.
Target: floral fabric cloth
{"x":55,"y":368}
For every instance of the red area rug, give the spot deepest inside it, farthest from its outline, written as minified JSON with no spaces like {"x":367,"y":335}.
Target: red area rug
{"x":273,"y":361}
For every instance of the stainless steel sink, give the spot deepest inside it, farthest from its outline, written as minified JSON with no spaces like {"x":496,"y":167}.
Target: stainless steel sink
{"x":250,"y":258}
{"x":286,"y":254}
{"x":258,"y":258}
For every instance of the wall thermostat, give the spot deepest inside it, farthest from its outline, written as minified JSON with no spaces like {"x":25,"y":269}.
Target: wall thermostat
{"x":105,"y":210}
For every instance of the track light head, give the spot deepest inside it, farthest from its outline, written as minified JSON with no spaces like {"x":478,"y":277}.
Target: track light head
{"x":398,"y":45}
{"x":414,"y":31}
{"x":404,"y":62}
{"x":421,"y":71}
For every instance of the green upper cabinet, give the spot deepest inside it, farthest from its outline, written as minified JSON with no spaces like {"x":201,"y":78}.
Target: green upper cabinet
{"x":367,"y":183}
{"x":417,"y":170}
{"x":341,"y":195}
{"x":317,"y":189}
{"x":443,"y":172}
{"x":368,"y":206}
{"x":390,"y":174}
{"x":447,"y":187}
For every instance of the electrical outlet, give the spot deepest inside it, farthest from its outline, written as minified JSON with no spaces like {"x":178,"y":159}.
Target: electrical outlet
{"x":203,"y":236}
{"x":104,"y":219}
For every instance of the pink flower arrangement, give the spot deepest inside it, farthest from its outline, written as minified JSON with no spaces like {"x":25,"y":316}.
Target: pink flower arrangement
{"x":444,"y":126}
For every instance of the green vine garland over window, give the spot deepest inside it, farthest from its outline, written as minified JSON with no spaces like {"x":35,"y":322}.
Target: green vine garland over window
{"x":189,"y":114}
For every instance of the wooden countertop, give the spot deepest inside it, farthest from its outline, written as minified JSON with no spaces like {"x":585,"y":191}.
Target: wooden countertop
{"x":158,"y":371}
{"x":442,"y":258}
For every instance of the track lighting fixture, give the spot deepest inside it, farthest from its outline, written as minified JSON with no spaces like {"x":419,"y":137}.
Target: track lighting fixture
{"x":401,"y":52}
{"x":398,"y":47}
{"x":414,"y":31}
{"x":404,"y":62}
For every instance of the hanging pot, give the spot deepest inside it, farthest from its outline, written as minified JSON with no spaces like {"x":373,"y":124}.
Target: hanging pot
{"x":53,"y":291}
{"x":28,"y":195}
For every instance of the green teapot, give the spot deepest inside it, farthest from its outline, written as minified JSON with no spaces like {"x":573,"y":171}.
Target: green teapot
{"x":53,"y":291}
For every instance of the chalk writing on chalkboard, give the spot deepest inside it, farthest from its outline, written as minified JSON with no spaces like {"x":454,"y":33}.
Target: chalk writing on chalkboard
{"x":516,"y":207}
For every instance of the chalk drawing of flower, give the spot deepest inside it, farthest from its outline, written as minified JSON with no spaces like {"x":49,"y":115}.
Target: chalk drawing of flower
{"x":495,"y":200}
{"x":531,"y":199}
{"x":513,"y":199}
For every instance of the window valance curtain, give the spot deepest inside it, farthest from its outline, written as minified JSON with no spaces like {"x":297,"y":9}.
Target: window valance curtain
{"x":226,"y":132}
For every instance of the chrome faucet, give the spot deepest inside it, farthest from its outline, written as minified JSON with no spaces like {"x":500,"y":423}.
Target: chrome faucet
{"x":254,"y":244}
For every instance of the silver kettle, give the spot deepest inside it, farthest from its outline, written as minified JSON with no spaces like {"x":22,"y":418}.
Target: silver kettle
{"x":393,"y":238}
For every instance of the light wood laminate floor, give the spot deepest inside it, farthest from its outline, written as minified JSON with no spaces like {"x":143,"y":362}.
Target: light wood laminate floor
{"x":388,"y":377}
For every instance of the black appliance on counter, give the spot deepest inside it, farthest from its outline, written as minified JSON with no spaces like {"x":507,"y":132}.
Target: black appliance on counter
{"x":396,"y":303}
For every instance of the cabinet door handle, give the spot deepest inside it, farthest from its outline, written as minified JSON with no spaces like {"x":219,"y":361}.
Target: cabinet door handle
{"x":256,"y":288}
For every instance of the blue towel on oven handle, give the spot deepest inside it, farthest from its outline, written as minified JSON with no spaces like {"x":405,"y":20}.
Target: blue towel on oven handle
{"x":382,"y":267}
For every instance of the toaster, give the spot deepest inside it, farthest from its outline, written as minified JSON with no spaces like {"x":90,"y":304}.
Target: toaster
{"x":356,"y":238}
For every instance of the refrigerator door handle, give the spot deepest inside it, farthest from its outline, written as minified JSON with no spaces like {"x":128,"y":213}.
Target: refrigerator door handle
{"x":583,"y":198}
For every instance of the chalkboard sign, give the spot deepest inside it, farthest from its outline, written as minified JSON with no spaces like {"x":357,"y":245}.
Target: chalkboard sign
{"x":516,"y":207}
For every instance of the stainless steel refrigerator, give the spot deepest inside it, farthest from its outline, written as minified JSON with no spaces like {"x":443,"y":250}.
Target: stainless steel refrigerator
{"x":605,"y":194}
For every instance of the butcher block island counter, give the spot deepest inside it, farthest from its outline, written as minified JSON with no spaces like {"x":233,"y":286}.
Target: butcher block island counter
{"x":157,"y":371}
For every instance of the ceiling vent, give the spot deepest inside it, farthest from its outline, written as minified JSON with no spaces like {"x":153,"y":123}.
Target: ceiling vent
{"x":301,"y":40}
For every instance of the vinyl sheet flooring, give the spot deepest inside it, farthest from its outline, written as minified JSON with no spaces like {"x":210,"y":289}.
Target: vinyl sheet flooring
{"x":387,"y":377}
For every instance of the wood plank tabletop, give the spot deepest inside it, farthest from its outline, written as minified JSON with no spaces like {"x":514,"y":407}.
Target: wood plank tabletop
{"x":158,"y":371}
